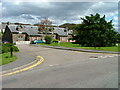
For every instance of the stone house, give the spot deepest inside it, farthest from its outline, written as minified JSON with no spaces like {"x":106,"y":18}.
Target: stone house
{"x":58,"y":33}
{"x":62,"y":34}
{"x":14,"y":33}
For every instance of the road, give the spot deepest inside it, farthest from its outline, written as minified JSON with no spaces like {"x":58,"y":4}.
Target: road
{"x":66,"y":69}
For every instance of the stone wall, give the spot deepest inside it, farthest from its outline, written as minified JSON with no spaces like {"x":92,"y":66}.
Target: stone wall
{"x":18,"y":37}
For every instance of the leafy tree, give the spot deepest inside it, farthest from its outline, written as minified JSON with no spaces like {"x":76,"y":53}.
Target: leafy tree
{"x":48,"y":39}
{"x":118,"y":38}
{"x":95,"y":31}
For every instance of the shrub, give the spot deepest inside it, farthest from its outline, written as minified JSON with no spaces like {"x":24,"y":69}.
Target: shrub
{"x":32,"y":42}
{"x":15,"y":49}
{"x":6,"y":48}
{"x":70,"y":38}
{"x":55,"y":40}
{"x":48,"y":39}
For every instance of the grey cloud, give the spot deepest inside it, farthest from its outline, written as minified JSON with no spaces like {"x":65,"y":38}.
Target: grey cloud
{"x":105,"y":7}
{"x":38,"y":17}
{"x":58,"y":11}
{"x":26,"y":16}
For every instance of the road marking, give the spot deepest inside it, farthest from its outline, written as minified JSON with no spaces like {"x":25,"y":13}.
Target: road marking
{"x":95,"y":53}
{"x":106,"y":56}
{"x":111,"y":56}
{"x":93,"y":58}
{"x":87,"y":52}
{"x":53,"y":65}
{"x":103,"y":56}
{"x":24,"y":69}
{"x":18,"y":67}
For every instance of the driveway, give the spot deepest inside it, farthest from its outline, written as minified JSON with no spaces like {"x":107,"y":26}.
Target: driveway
{"x":66,"y":69}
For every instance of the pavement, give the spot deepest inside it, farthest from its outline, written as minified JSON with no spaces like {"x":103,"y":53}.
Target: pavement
{"x":23,"y":59}
{"x":77,"y":49}
{"x":66,"y":69}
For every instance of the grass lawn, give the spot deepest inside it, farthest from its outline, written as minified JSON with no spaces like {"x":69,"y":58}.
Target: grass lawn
{"x":69,"y":44}
{"x":5,"y":58}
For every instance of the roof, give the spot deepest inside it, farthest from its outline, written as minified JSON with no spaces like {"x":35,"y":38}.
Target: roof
{"x":60,"y":31}
{"x":70,"y":32}
{"x":30,"y":30}
{"x":2,"y":26}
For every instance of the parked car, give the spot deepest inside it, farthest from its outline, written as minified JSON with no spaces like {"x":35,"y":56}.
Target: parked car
{"x":38,"y":41}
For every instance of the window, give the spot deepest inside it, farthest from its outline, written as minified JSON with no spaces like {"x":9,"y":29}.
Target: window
{"x":64,"y":30}
{"x":19,"y":37}
{"x":63,"y":38}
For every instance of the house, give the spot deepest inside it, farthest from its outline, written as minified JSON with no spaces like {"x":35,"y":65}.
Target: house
{"x":2,"y":27}
{"x":62,"y":34}
{"x":24,"y":33}
{"x":14,"y":33}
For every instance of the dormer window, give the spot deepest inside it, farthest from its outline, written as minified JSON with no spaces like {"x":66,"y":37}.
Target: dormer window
{"x":17,"y":28}
{"x":19,"y":37}
{"x":65,"y":31}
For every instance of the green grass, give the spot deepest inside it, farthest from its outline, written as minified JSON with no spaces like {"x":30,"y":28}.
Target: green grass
{"x":5,"y":58}
{"x":70,"y":45}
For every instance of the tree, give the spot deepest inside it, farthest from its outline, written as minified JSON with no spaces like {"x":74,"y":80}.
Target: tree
{"x":118,"y":38}
{"x":95,"y":31}
{"x":45,"y":23}
{"x":48,"y":39}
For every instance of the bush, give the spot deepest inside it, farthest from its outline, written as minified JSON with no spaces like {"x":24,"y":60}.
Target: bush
{"x":32,"y":42}
{"x":48,"y":39}
{"x":15,"y":49}
{"x":55,"y":40}
{"x":70,"y":39}
{"x":6,"y":48}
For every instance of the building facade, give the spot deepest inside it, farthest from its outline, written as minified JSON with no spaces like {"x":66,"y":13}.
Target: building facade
{"x":14,"y":33}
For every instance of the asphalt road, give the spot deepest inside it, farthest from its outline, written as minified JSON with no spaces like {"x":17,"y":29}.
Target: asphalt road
{"x":23,"y":59}
{"x":66,"y":69}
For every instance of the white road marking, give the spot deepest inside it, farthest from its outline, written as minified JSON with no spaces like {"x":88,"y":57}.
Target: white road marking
{"x":93,"y":58}
{"x":111,"y":56}
{"x":106,"y":56}
{"x":53,"y":65}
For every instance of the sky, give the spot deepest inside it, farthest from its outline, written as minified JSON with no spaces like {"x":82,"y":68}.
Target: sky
{"x":32,"y":12}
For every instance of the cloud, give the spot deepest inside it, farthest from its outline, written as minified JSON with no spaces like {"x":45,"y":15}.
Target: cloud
{"x":57,"y":12}
{"x":26,"y":16}
{"x":115,"y":18}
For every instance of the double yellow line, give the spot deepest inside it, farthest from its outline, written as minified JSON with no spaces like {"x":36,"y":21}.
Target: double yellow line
{"x":41,"y":59}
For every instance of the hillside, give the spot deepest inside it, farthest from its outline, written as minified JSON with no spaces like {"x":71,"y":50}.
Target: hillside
{"x":42,"y":25}
{"x":70,"y":26}
{"x":21,"y":24}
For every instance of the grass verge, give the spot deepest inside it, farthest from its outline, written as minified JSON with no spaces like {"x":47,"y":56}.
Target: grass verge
{"x":71,"y":45}
{"x":5,"y":58}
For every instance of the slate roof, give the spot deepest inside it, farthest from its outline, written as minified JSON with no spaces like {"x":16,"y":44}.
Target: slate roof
{"x":30,"y":30}
{"x":33,"y":30}
{"x":2,"y":26}
{"x":70,"y":32}
{"x":60,"y":31}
